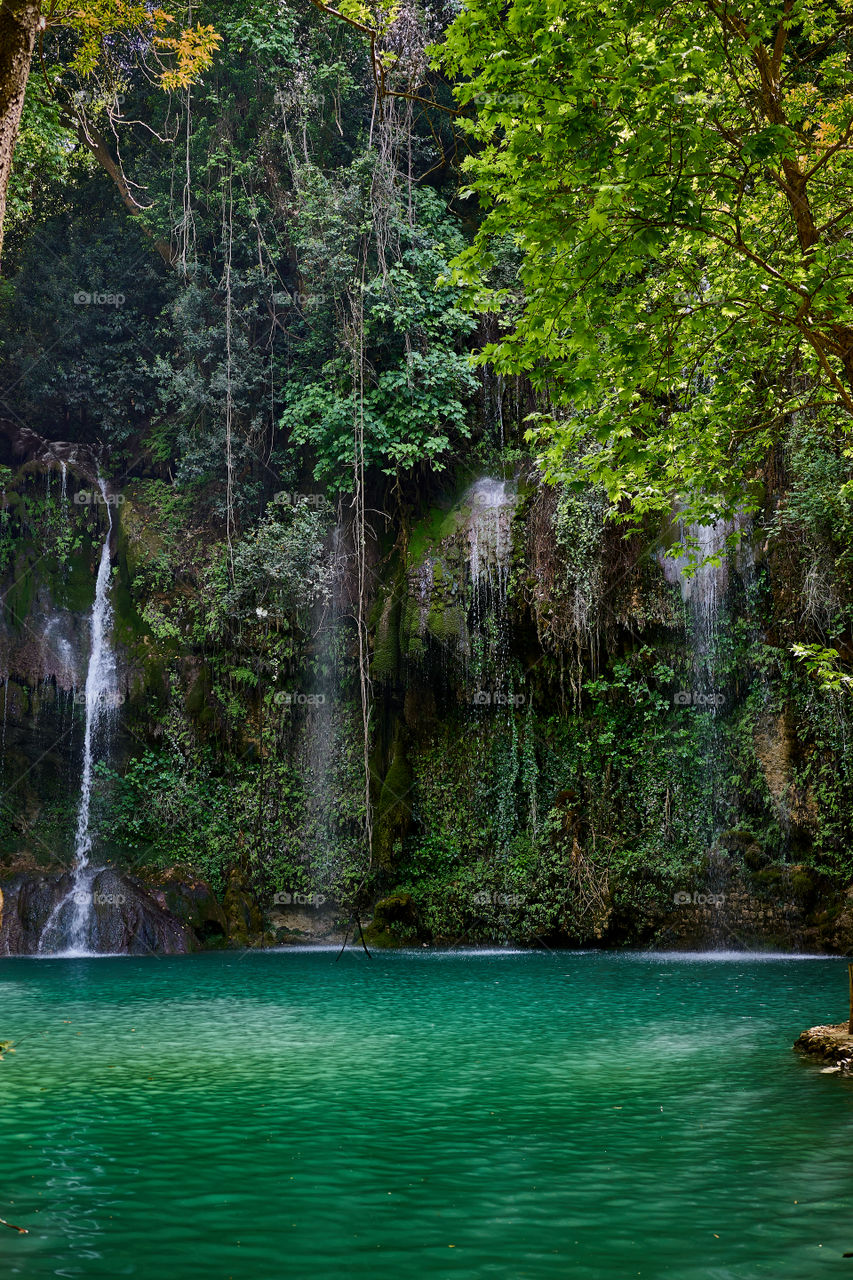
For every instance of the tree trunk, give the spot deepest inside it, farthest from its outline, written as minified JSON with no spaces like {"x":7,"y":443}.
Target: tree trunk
{"x":90,"y":137}
{"x":19,"y":23}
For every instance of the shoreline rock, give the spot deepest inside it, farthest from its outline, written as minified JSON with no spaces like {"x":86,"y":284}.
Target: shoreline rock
{"x":832,"y":1045}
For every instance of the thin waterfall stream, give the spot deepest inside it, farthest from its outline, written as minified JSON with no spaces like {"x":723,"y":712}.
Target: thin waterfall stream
{"x":704,"y":586}
{"x":70,"y":927}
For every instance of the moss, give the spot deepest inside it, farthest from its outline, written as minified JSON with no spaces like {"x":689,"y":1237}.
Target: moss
{"x":198,"y":694}
{"x":437,"y":525}
{"x":447,"y":623}
{"x":771,"y":881}
{"x":394,"y":809}
{"x":803,"y":887}
{"x":74,"y":588}
{"x":138,"y":542}
{"x":395,"y":922}
{"x":245,"y":923}
{"x":129,"y":625}
{"x":18,"y":598}
{"x":410,"y":639}
{"x":386,"y":645}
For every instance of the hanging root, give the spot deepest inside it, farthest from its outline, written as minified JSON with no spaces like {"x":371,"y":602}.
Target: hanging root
{"x":346,"y":940}
{"x":361,"y":935}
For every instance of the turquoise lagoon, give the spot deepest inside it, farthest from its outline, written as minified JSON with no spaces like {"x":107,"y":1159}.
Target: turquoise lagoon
{"x":506,"y":1114}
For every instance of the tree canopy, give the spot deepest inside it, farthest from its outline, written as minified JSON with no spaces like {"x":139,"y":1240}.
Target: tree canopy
{"x":677,"y":178}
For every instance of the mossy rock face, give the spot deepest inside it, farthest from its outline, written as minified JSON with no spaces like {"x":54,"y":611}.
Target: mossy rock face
{"x":438,"y":525}
{"x":755,"y":858}
{"x":386,"y":644}
{"x":193,"y":902}
{"x":411,"y":638}
{"x":742,"y":841}
{"x":452,"y":551}
{"x":18,"y":598}
{"x":198,"y":695}
{"x":447,"y":624}
{"x":840,"y":931}
{"x":395,"y":922}
{"x":419,"y":709}
{"x":138,"y":542}
{"x":771,"y":880}
{"x":242,"y":913}
{"x":129,"y":627}
{"x":804,"y":889}
{"x":736,"y":839}
{"x":394,"y":810}
{"x":73,"y":587}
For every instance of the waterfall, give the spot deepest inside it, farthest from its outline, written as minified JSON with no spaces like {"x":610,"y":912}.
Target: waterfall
{"x":318,"y":707}
{"x":489,"y":537}
{"x":703,"y":580}
{"x":71,"y":922}
{"x":489,"y":530}
{"x":488,"y":534}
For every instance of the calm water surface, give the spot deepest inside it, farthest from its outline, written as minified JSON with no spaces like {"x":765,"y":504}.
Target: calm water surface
{"x":590,"y":1117}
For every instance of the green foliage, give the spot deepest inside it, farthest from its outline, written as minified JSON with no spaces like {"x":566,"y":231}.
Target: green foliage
{"x":45,"y":151}
{"x":304,"y":256}
{"x":281,"y":565}
{"x":822,"y":663}
{"x":187,"y":804}
{"x":819,"y":498}
{"x":414,"y":404}
{"x":676,"y":182}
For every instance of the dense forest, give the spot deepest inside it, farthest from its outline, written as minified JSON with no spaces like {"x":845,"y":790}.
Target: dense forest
{"x":463,"y":398}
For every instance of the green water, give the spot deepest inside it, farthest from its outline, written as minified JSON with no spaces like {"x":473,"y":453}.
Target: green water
{"x":422,"y":1115}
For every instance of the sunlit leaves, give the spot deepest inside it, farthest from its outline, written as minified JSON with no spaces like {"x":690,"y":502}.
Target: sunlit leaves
{"x":681,"y":207}
{"x":181,"y":53}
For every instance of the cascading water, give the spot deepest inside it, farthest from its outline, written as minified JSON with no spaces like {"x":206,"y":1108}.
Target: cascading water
{"x":704,"y":584}
{"x":319,"y":712}
{"x":70,"y":928}
{"x":704,"y":592}
{"x":488,"y":533}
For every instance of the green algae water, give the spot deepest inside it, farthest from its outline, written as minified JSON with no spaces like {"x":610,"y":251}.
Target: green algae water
{"x":422,"y":1115}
